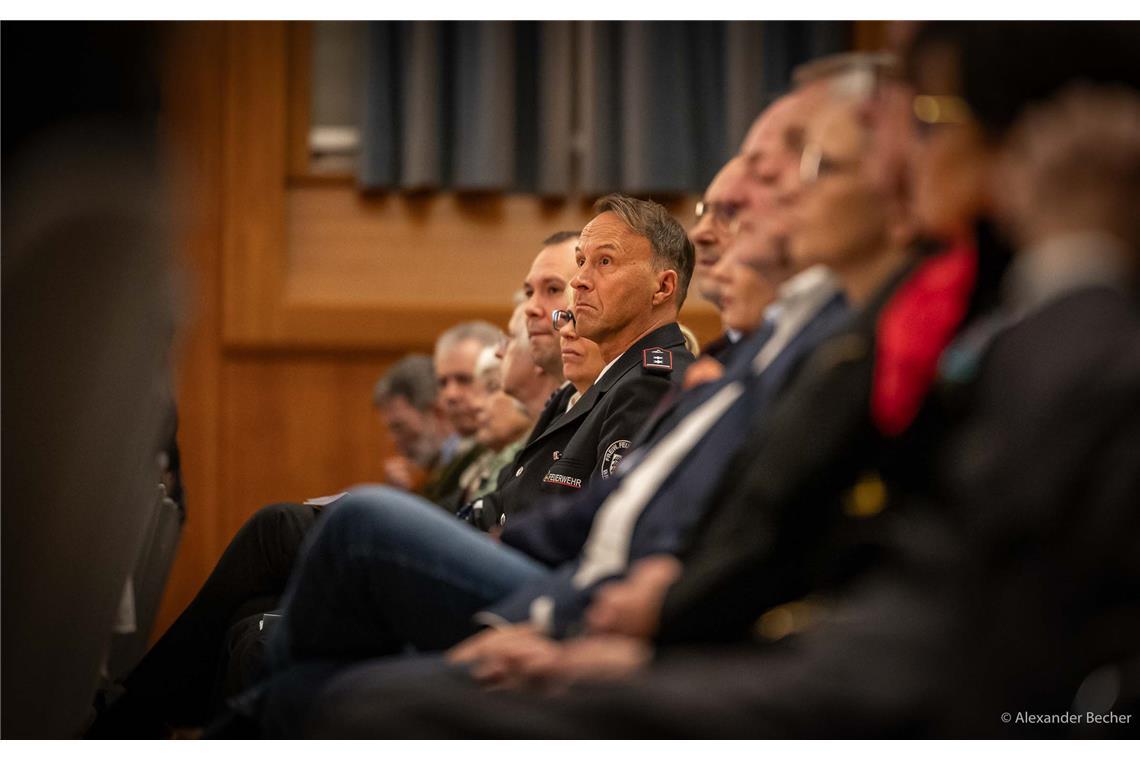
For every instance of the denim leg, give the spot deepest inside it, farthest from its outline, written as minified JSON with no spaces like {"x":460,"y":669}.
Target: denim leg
{"x":385,"y":570}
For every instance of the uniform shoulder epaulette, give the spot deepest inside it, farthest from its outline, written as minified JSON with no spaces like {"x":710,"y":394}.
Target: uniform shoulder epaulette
{"x":657,"y":360}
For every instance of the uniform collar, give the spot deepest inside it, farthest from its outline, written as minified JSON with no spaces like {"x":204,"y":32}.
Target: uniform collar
{"x":667,"y":336}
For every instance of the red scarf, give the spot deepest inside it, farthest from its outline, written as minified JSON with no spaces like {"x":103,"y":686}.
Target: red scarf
{"x":918,"y":322}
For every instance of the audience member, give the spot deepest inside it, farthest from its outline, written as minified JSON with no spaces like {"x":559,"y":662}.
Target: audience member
{"x":405,"y":397}
{"x":456,"y":351}
{"x":503,"y":426}
{"x":710,"y":236}
{"x":523,"y":379}
{"x":546,"y":288}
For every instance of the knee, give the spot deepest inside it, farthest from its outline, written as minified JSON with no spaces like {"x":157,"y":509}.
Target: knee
{"x":374,"y":511}
{"x":276,"y":516}
{"x":279,"y":523}
{"x":365,"y":506}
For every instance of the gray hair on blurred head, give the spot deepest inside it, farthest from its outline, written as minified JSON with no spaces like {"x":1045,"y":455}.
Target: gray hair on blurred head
{"x":850,"y":75}
{"x":412,"y":379}
{"x":483,"y":333}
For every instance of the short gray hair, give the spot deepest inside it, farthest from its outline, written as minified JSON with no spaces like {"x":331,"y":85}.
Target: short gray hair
{"x":483,"y":333}
{"x":671,"y":247}
{"x":412,"y":379}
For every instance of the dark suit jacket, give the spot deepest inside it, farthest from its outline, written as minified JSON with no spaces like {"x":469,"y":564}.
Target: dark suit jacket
{"x":587,"y":442}
{"x":779,"y":507}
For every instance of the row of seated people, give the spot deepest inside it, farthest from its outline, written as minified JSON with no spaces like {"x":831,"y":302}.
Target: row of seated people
{"x":901,"y":503}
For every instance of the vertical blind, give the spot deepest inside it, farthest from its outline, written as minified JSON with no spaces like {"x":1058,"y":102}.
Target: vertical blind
{"x":562,"y":107}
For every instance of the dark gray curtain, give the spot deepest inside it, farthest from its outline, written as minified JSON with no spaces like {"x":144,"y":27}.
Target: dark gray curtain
{"x":559,"y":107}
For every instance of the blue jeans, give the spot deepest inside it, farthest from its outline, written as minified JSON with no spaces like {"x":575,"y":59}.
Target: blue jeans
{"x":386,"y":571}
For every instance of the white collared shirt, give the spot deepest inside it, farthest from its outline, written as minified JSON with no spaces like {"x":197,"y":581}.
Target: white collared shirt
{"x":797,"y":301}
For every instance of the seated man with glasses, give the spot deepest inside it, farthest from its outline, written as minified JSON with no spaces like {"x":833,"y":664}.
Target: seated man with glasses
{"x":710,"y":237}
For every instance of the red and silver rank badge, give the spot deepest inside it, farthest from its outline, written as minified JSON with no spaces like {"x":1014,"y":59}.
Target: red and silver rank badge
{"x":657,"y":359}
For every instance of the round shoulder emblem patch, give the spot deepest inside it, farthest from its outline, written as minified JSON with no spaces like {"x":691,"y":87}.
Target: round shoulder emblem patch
{"x":613,"y":457}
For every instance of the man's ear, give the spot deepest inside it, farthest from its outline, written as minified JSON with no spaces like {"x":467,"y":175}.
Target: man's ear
{"x":666,"y":286}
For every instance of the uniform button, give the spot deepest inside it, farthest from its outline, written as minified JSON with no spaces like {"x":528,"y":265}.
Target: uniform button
{"x":518,"y":472}
{"x":502,"y":520}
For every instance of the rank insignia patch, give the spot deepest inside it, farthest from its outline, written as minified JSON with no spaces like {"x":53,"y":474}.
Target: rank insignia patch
{"x":657,"y":360}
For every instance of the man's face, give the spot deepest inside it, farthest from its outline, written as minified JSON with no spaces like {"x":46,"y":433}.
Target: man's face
{"x":841,"y":214}
{"x":518,"y":361}
{"x":615,"y":281}
{"x":745,"y":293}
{"x":455,"y":374}
{"x":545,"y":288}
{"x":710,"y":235}
{"x":412,"y":431}
{"x":771,"y":159}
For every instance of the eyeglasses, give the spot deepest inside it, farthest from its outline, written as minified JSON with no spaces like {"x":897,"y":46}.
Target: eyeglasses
{"x":815,"y":165}
{"x":933,"y":110}
{"x":562,"y":317}
{"x":722,"y":213}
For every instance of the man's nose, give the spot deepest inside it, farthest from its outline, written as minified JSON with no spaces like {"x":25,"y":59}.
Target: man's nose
{"x":702,"y":232}
{"x":581,"y":280}
{"x":532,"y":308}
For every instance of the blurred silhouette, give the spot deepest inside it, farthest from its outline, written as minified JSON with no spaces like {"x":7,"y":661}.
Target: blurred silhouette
{"x":87,"y":323}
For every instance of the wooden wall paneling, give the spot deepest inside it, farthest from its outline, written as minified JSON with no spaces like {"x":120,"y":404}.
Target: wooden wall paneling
{"x":300,"y":93}
{"x":392,"y":271}
{"x":253,"y":217}
{"x":192,"y":147}
{"x":299,"y":425}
